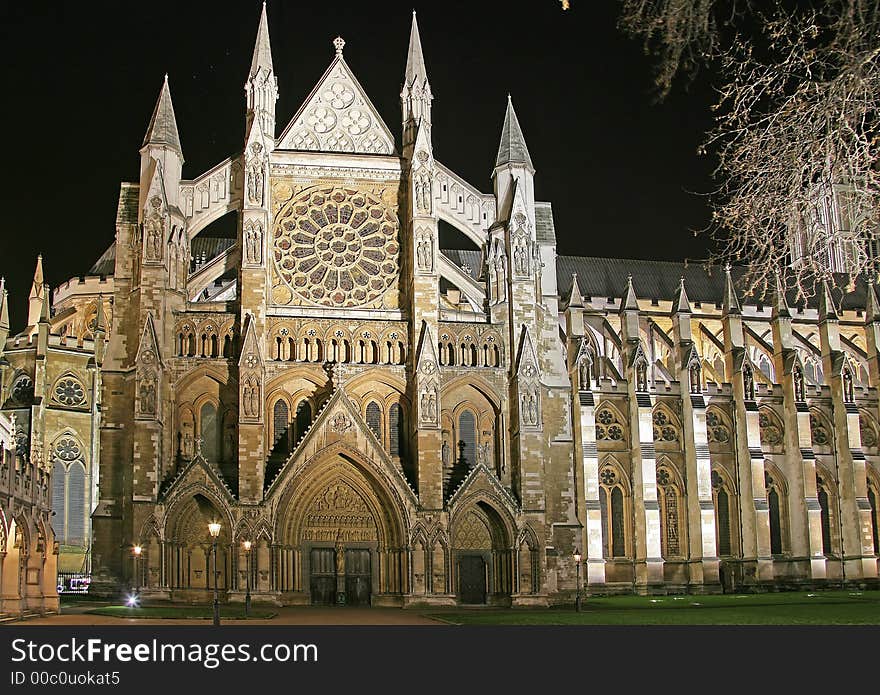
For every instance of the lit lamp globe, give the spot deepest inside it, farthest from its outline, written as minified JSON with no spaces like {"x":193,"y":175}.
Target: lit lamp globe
{"x":214,"y":529}
{"x":247,"y":545}
{"x":137,"y":550}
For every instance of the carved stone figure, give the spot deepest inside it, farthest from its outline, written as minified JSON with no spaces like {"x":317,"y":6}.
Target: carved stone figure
{"x":154,"y":230}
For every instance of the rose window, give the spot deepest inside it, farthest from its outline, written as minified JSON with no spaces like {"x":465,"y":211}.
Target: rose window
{"x":336,"y":246}
{"x":69,"y":392}
{"x":67,"y":449}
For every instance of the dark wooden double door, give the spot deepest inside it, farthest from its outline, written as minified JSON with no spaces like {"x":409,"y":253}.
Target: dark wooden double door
{"x":325,"y":584}
{"x":472,"y":579}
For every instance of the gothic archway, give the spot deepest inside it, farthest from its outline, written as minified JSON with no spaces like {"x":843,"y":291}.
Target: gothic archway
{"x":482,"y":542}
{"x":343,"y":534}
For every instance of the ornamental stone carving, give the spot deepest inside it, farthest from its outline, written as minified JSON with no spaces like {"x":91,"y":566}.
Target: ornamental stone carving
{"x":154,"y":230}
{"x":69,"y":391}
{"x":335,"y":246}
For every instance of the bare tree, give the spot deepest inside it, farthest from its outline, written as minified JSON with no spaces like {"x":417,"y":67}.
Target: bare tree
{"x":796,"y":131}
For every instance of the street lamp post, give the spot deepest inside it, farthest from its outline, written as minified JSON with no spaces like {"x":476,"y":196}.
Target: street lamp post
{"x":247,"y":545}
{"x":214,"y":530}
{"x":136,"y":555}
{"x":577,"y":562}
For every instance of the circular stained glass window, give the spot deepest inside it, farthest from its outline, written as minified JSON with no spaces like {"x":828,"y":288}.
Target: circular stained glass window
{"x":336,"y":246}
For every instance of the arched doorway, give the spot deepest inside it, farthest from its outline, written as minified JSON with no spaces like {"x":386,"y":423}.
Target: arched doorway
{"x":482,"y":555}
{"x":343,"y":526}
{"x":190,"y":547}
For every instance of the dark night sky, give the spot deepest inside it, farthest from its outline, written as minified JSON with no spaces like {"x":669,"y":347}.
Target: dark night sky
{"x":80,"y":81}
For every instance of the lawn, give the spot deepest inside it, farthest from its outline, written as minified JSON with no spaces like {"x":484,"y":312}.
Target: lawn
{"x":796,"y":608}
{"x":180,"y":612}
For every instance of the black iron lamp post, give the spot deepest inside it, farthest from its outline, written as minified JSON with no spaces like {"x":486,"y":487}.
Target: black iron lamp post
{"x":247,"y":545}
{"x":577,"y":562}
{"x":136,"y":555}
{"x":214,"y":530}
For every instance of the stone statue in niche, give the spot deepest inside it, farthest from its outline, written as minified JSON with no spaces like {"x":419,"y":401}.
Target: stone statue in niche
{"x":748,"y":383}
{"x":255,"y":176}
{"x":423,"y":193}
{"x":254,"y":243}
{"x":445,"y":452}
{"x":425,"y":252}
{"x":148,"y":397}
{"x":250,"y":400}
{"x":154,"y":229}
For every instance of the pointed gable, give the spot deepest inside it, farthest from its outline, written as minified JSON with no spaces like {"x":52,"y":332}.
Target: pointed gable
{"x":527,"y":358}
{"x":338,"y":116}
{"x":148,"y":349}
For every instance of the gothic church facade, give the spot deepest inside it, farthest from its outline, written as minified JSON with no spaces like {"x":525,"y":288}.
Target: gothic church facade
{"x":393,"y":423}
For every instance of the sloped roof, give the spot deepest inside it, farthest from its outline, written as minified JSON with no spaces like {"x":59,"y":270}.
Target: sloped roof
{"x":512,"y":147}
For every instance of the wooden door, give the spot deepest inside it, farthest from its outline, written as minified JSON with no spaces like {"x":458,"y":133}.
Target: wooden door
{"x":472,"y":579}
{"x":322,"y":582}
{"x":358,"y":577}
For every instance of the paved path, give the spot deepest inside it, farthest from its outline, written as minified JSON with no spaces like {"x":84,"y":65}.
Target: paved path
{"x":291,"y":615}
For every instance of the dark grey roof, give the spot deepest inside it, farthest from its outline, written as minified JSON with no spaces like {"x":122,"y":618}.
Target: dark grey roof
{"x":660,"y":280}
{"x":106,"y":264}
{"x":545,"y":230}
{"x":211,"y":247}
{"x":127,"y":208}
{"x":512,"y":147}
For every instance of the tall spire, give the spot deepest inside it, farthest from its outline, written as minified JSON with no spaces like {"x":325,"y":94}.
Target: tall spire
{"x":730,"y":304}
{"x":162,"y":131}
{"x":512,"y":148}
{"x":262,"y":49}
{"x":35,"y":301}
{"x":415,"y":61}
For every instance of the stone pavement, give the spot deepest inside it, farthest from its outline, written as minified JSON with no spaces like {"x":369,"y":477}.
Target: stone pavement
{"x":290,"y":615}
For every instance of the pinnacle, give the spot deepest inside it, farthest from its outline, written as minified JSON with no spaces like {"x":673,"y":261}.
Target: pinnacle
{"x":512,"y":147}
{"x":415,"y":61}
{"x":780,"y":307}
{"x":262,"y":48}
{"x":575,"y":298}
{"x":682,"y":305}
{"x":162,"y":130}
{"x":630,"y":301}
{"x":730,"y":304}
{"x":827,"y":309}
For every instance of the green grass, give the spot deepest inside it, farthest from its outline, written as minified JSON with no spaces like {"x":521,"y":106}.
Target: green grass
{"x":818,"y":608}
{"x":180,"y":612}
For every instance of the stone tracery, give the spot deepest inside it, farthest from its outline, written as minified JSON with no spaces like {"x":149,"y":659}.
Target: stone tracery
{"x":336,"y":246}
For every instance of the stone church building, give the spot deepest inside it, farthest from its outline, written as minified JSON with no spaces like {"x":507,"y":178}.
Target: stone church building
{"x":395,"y":423}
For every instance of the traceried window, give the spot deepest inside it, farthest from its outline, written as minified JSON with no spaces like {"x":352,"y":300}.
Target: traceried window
{"x":665,"y":429}
{"x":210,"y":432}
{"x":872,"y":500}
{"x":611,"y":506}
{"x":467,"y":437}
{"x":281,"y":425}
{"x":374,"y":419}
{"x":608,"y":425}
{"x":69,"y":492}
{"x":303,"y":420}
{"x":69,"y":391}
{"x":774,"y":503}
{"x":669,"y":512}
{"x":824,"y":514}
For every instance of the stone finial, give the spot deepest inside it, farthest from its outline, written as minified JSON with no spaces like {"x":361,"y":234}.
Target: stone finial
{"x":339,"y":44}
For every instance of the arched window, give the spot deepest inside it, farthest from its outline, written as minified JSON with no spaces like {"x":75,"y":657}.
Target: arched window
{"x":374,"y":419}
{"x":670,"y":520}
{"x":722,"y":515}
{"x":765,"y":366}
{"x":872,"y":500}
{"x":722,"y":521}
{"x":227,"y":346}
{"x":611,"y":506}
{"x":467,"y":437}
{"x":209,"y":430}
{"x":59,"y":501}
{"x":395,"y":429}
{"x":774,"y":503}
{"x":824,"y":514}
{"x":281,"y":425}
{"x":76,"y":504}
{"x":303,"y":420}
